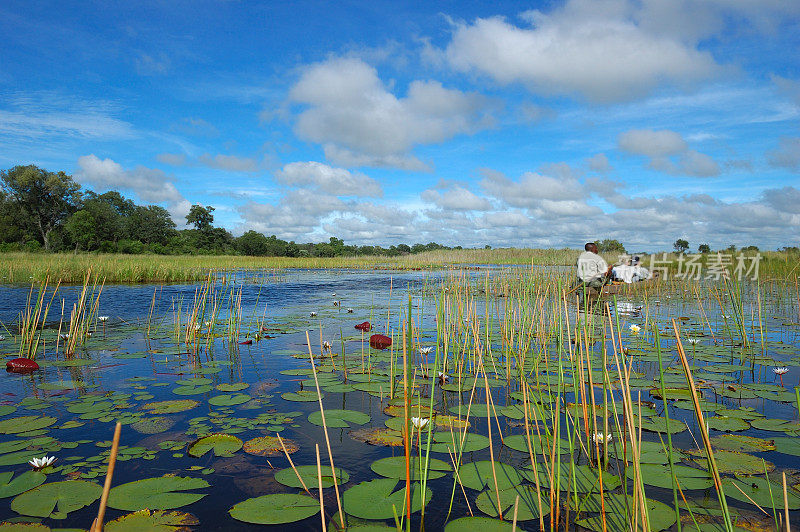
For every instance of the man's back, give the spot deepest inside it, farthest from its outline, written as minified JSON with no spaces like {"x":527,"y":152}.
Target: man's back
{"x":590,"y":266}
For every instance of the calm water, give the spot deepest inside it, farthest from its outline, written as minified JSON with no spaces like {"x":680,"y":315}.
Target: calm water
{"x":127,"y":370}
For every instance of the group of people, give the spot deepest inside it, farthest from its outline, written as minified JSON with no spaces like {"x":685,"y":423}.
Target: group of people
{"x":594,"y":272}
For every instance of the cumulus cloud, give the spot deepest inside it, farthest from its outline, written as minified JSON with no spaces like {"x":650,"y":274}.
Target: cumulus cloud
{"x":599,"y":163}
{"x":337,"y":181}
{"x":349,"y":110}
{"x":787,"y":155}
{"x":148,"y":184}
{"x":531,"y":188}
{"x":230,"y":163}
{"x":598,"y":50}
{"x":456,"y":197}
{"x":786,"y":199}
{"x":668,"y":152}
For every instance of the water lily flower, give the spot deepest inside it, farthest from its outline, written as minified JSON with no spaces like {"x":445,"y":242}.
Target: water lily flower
{"x":780,"y":372}
{"x":102,"y":318}
{"x":2,"y":337}
{"x":599,"y":437}
{"x":443,"y":378}
{"x":313,"y":314}
{"x":197,"y":327}
{"x":635,"y":328}
{"x":419,"y":422}
{"x":349,"y":311}
{"x":333,"y":294}
{"x":326,"y":346}
{"x":208,"y":324}
{"x":336,"y":303}
{"x":425,"y":350}
{"x":692,"y":341}
{"x":63,"y":336}
{"x":41,"y":463}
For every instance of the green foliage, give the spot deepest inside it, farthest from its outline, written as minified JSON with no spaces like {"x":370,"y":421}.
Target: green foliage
{"x":704,"y":248}
{"x":681,"y":245}
{"x":610,"y":246}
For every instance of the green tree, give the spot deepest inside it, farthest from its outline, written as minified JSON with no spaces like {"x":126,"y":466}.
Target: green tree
{"x":46,"y":198}
{"x":200,"y":217}
{"x":253,"y":243}
{"x":681,"y":245}
{"x":151,"y":224}
{"x":610,"y":245}
{"x":704,"y":248}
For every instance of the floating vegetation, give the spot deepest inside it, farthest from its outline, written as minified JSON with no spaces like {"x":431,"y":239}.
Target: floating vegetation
{"x":491,"y":398}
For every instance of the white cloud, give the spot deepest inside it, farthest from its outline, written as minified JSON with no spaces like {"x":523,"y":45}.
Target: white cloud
{"x":456,"y":197}
{"x":668,"y":152}
{"x":230,"y":163}
{"x":531,"y":188}
{"x":337,"y":181}
{"x":172,"y":159}
{"x":652,"y":143}
{"x":592,"y":49}
{"x":787,"y":155}
{"x":349,"y":108}
{"x":786,"y":199}
{"x":150,"y":185}
{"x":599,"y":163}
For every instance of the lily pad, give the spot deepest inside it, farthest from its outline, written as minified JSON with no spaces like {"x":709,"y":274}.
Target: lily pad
{"x":153,"y":425}
{"x":339,"y":418}
{"x":288,"y":477}
{"x":689,"y":478}
{"x":236,"y":387}
{"x":727,"y":424}
{"x":191,"y":390}
{"x":170,"y":407}
{"x":57,"y":499}
{"x":301,"y":396}
{"x":152,"y":521}
{"x":16,"y":425}
{"x":747,"y":444}
{"x":158,"y":493}
{"x":229,"y":399}
{"x":11,"y":487}
{"x":395,"y":467}
{"x":275,"y":509}
{"x":484,"y":524}
{"x":765,"y":494}
{"x":731,"y":462}
{"x":478,"y":475}
{"x":378,"y":436}
{"x":223,"y":445}
{"x":660,"y":515}
{"x":586,"y":479}
{"x":269,"y":446}
{"x":472,"y":442}
{"x":376,"y":499}
{"x":528,"y":507}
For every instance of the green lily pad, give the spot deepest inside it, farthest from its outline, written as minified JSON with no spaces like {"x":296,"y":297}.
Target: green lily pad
{"x":23,"y":527}
{"x":478,"y":475}
{"x":11,"y":487}
{"x":170,"y":407}
{"x":152,"y":521}
{"x":727,"y":424}
{"x":376,"y":499}
{"x":586,"y":479}
{"x":275,"y":509}
{"x":659,"y":514}
{"x":16,"y":425}
{"x":527,"y":508}
{"x":731,"y":462}
{"x":222,"y":444}
{"x":7,"y":409}
{"x":758,"y":489}
{"x":747,"y":444}
{"x":237,"y":387}
{"x":472,"y":442}
{"x":56,"y":499}
{"x":339,"y":418}
{"x":288,"y":477}
{"x":158,"y":493}
{"x":378,"y":436}
{"x":229,"y":399}
{"x":788,"y":446}
{"x":269,"y":446}
{"x":153,"y":425}
{"x":484,"y":524}
{"x":395,"y":467}
{"x":191,"y":390}
{"x":689,"y":478}
{"x":659,"y":424}
{"x":302,"y":396}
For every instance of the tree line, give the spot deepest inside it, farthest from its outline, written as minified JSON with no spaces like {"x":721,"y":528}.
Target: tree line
{"x":49,"y":211}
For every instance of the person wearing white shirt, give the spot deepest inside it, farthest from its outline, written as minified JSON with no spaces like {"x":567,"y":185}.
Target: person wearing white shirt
{"x":592,"y":269}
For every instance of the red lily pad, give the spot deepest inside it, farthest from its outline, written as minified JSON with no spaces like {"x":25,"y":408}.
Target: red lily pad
{"x":21,"y":365}
{"x":379,"y":341}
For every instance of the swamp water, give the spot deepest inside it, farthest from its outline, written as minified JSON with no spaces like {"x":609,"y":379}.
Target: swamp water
{"x":515,"y":428}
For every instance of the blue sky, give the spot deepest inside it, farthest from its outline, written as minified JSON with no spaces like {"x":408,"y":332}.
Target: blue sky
{"x":519,"y":124}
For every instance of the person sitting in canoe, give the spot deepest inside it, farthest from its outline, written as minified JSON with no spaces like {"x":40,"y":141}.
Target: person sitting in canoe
{"x":592,"y":269}
{"x":630,"y":271}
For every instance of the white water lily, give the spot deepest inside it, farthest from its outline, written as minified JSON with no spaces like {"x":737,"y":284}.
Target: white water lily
{"x":326,"y":346}
{"x":102,"y":318}
{"x":635,"y":328}
{"x":692,"y":341}
{"x":419,"y":422}
{"x":425,"y":350}
{"x":208,"y":324}
{"x":336,"y":303}
{"x":313,"y":314}
{"x":2,"y":337}
{"x":41,"y":463}
{"x":197,"y":328}
{"x":63,"y":336}
{"x":349,"y":311}
{"x":443,"y":378}
{"x":780,"y":370}
{"x":599,"y":437}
